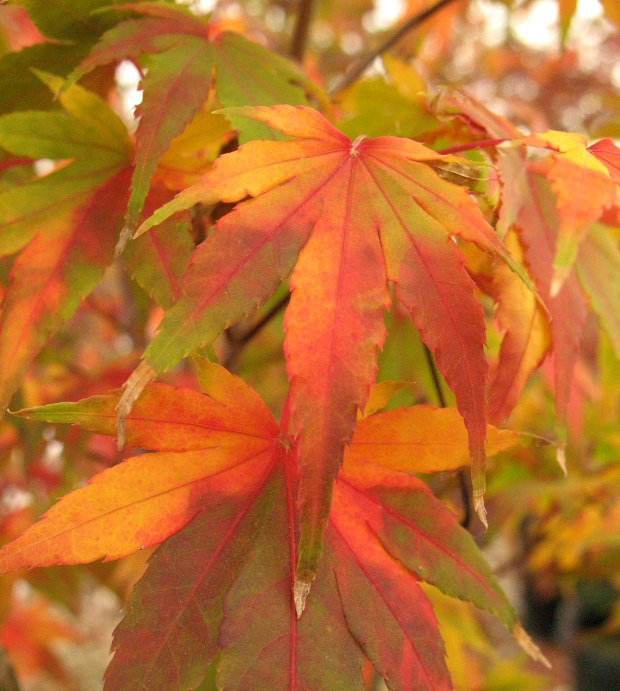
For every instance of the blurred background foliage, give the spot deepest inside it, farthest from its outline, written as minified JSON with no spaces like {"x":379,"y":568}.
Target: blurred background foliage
{"x":542,"y":64}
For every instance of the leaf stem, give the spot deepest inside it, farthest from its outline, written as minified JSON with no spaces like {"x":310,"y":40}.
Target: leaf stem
{"x":12,"y":162}
{"x":302,"y":27}
{"x":392,"y":40}
{"x":442,"y":402}
{"x":484,"y":144}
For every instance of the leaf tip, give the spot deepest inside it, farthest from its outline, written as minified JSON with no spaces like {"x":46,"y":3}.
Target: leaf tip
{"x":134,"y":386}
{"x":480,"y":508}
{"x":560,"y":274}
{"x":123,"y":239}
{"x":529,"y":646}
{"x":560,"y":455}
{"x":300,"y":593}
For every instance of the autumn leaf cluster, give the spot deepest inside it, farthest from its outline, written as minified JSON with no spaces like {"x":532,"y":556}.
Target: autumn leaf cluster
{"x":291,"y":550}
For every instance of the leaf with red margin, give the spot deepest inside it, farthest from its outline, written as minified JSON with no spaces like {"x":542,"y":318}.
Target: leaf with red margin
{"x":52,"y":274}
{"x":65,"y":223}
{"x":222,"y":586}
{"x":401,"y":636}
{"x":225,"y":583}
{"x":584,"y":186}
{"x":430,"y":281}
{"x":526,"y":340}
{"x":187,"y":54}
{"x":378,"y":514}
{"x":538,"y":225}
{"x":146,"y":499}
{"x":418,"y":530}
{"x":362,"y":204}
{"x":90,"y":141}
{"x":421,"y":439}
{"x":159,"y":258}
{"x":598,"y":271}
{"x":479,"y":120}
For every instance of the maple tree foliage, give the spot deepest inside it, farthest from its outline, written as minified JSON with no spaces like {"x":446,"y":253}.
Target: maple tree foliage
{"x":289,"y":550}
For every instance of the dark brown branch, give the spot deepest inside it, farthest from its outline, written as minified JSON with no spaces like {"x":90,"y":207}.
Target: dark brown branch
{"x":435,"y":375}
{"x":305,"y":12}
{"x":442,"y":402}
{"x":238,"y":342}
{"x":392,"y":40}
{"x":248,"y":335}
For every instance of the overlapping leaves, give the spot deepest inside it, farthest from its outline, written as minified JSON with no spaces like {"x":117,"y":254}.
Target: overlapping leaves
{"x":186,"y":52}
{"x":221,"y":492}
{"x":552,"y":210}
{"x":364,"y":213}
{"x":65,"y":223}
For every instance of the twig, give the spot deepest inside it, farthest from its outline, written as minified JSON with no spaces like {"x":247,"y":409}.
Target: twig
{"x":302,"y":26}
{"x":435,"y":375}
{"x":248,"y":335}
{"x":410,"y":24}
{"x":237,"y":343}
{"x":442,"y":402}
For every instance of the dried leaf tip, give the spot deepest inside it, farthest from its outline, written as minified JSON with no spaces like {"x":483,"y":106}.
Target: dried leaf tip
{"x":123,"y":239}
{"x":560,"y":274}
{"x":134,"y":386}
{"x":529,"y":646}
{"x":300,"y":593}
{"x":480,"y":508}
{"x":560,"y":455}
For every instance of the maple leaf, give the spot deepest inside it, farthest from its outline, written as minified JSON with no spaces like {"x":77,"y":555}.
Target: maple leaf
{"x":72,"y":20}
{"x":584,"y":178}
{"x":158,"y":259}
{"x":364,"y":213}
{"x":186,"y":52}
{"x":552,"y":220}
{"x":28,"y":633}
{"x":21,"y":88}
{"x":526,"y":339}
{"x":509,"y":162}
{"x":598,"y":270}
{"x":538,"y":225}
{"x":67,"y":220}
{"x":221,"y":492}
{"x":192,"y":153}
{"x":89,"y":137}
{"x":401,"y":93}
{"x":584,"y":186}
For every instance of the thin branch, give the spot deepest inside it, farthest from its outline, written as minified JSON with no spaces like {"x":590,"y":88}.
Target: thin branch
{"x":302,"y":27}
{"x":435,"y":375}
{"x":392,"y":40}
{"x":465,"y":495}
{"x":248,"y":335}
{"x":237,"y":343}
{"x":442,"y":402}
